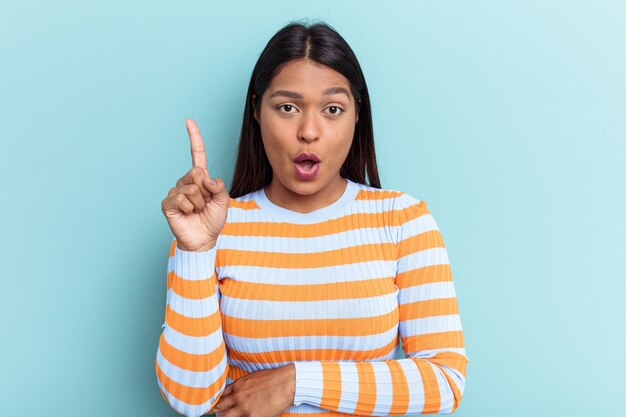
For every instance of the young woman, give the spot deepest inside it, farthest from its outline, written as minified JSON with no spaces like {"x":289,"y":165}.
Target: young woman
{"x":289,"y":294}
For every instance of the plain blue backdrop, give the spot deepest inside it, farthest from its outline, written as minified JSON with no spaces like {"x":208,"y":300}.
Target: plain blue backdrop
{"x":507,"y":118}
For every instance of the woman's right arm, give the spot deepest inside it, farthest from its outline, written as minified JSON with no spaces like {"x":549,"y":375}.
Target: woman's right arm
{"x":191,"y":362}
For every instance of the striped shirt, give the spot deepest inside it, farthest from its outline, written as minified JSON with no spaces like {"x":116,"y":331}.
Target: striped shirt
{"x":334,"y":292}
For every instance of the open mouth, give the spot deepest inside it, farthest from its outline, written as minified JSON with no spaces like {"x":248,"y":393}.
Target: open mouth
{"x":306,"y":165}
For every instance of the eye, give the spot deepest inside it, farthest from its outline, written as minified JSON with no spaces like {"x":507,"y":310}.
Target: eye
{"x":334,"y":110}
{"x":286,"y":108}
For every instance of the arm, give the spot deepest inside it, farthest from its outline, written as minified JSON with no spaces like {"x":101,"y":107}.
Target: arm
{"x":431,"y":378}
{"x":191,"y":362}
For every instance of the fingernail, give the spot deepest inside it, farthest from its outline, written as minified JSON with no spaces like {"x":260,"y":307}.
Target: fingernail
{"x":212,"y":181}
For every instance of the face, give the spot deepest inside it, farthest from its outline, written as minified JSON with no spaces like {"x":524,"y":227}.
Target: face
{"x":307,"y":108}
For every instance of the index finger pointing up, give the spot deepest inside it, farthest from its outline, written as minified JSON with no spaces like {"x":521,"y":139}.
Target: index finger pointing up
{"x":198,"y":156}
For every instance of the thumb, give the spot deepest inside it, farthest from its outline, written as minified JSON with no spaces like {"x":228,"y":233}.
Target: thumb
{"x":218,"y":191}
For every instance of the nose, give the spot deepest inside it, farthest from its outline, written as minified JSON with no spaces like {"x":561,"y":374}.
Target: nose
{"x":309,"y":127}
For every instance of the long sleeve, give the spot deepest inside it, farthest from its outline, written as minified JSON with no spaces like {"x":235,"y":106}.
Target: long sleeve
{"x":191,"y":364}
{"x":431,"y":378}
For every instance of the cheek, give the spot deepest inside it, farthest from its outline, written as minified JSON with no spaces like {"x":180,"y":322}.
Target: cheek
{"x":344,"y":140}
{"x":275,"y":143}
{"x":271,"y":150}
{"x":273,"y":127}
{"x":268,"y":133}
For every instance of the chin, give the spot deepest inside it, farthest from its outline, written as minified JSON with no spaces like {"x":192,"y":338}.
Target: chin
{"x":303,"y":187}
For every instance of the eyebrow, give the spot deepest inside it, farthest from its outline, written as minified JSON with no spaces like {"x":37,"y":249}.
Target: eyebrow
{"x":327,"y":92}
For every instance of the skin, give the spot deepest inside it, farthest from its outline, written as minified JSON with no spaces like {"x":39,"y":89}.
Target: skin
{"x":265,"y":393}
{"x":317,"y":121}
{"x":196,"y":207}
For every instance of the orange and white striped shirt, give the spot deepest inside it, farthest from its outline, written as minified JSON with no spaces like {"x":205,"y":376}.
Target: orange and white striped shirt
{"x":332,"y":291}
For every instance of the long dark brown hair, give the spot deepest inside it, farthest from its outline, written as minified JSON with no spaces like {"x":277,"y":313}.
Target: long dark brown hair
{"x":320,"y":43}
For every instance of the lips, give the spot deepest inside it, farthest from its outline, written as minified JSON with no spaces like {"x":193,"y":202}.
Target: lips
{"x":307,"y":157}
{"x":306,"y":165}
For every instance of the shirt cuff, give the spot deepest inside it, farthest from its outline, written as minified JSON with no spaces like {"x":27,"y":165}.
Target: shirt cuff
{"x":309,"y":383}
{"x":194,"y":265}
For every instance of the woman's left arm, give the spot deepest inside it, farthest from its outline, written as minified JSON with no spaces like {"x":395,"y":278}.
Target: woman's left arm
{"x":431,"y":379}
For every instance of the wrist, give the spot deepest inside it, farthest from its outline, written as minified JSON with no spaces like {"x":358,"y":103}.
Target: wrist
{"x":202,"y":248}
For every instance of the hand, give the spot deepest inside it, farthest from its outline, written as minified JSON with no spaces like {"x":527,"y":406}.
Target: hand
{"x":197,"y":207}
{"x":265,"y":393}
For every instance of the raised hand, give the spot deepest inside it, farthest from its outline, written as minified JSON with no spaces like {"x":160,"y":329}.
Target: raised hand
{"x":196,"y":208}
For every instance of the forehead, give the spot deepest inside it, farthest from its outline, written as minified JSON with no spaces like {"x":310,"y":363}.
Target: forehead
{"x":306,"y":77}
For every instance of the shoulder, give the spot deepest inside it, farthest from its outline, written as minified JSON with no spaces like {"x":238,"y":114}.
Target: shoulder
{"x":397,"y":202}
{"x":243,"y":206}
{"x":247,"y":201}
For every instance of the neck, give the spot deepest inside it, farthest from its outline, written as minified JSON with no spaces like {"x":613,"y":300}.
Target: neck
{"x":305,"y":203}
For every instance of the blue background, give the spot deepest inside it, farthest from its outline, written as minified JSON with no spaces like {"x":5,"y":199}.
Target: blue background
{"x":507,"y":118}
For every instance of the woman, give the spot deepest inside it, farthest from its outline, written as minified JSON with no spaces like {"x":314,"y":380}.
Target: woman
{"x":289,"y":294}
